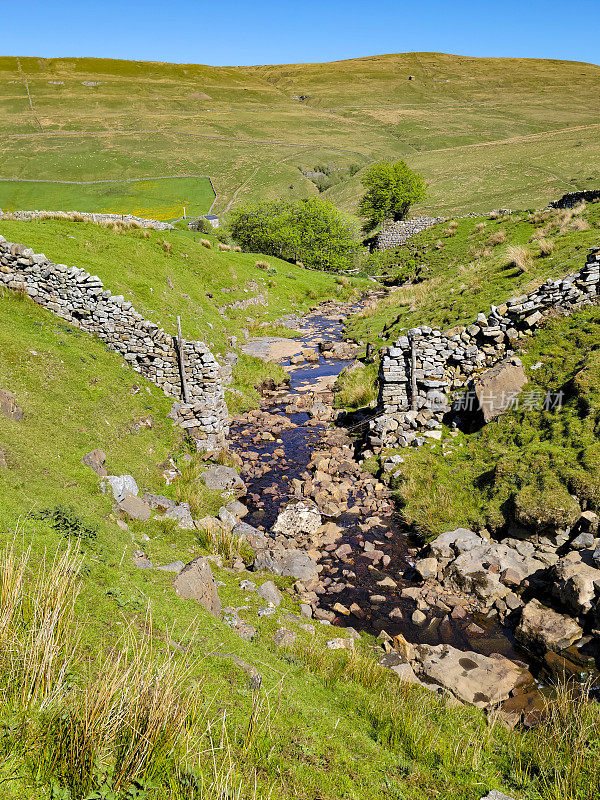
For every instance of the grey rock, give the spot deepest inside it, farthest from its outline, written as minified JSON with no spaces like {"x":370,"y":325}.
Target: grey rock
{"x":158,"y":502}
{"x":269,"y":592}
{"x":183,"y":516}
{"x":141,"y":560}
{"x":196,"y":582}
{"x":121,"y":485}
{"x":174,"y":566}
{"x":224,"y":479}
{"x":298,"y":518}
{"x":293,"y":563}
{"x":255,"y":538}
{"x":9,"y":406}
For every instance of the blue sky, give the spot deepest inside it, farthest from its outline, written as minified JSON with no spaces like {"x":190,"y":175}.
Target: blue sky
{"x":268,"y":32}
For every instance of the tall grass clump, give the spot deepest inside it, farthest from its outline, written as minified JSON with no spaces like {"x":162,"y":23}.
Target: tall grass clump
{"x":519,"y":256}
{"x":37,"y":632}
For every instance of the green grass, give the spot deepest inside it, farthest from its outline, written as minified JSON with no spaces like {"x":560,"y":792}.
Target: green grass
{"x":153,"y":198}
{"x":484,"y":132}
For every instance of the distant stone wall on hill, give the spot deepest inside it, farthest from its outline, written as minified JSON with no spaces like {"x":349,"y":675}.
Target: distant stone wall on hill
{"x":81,"y":299}
{"x":395,"y":234}
{"x":420,"y":373}
{"x":28,"y":216}
{"x":574,"y":198}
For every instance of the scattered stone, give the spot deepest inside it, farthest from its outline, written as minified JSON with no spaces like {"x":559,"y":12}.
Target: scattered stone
{"x":418,"y":617}
{"x":340,"y":644}
{"x":9,"y":406}
{"x":135,"y":507}
{"x":224,"y":479}
{"x":182,"y":515}
{"x":122,"y":485}
{"x":294,"y":563}
{"x":95,"y":459}
{"x":298,"y":518}
{"x":284,"y":637}
{"x":269,"y":592}
{"x":174,"y":566}
{"x":141,"y":560}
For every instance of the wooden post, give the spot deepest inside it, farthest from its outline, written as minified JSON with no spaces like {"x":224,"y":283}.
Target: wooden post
{"x":180,"y":343}
{"x":413,"y":374}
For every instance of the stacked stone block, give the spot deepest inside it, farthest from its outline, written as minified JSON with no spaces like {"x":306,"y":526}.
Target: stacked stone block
{"x":81,"y":299}
{"x":422,"y":372}
{"x":395,"y":234}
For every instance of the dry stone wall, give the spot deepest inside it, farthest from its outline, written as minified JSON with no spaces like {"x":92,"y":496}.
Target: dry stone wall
{"x":425,"y":369}
{"x":28,"y":216}
{"x":81,"y":299}
{"x":394,"y":234}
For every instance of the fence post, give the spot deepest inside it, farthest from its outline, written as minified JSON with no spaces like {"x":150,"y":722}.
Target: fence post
{"x":180,"y":344}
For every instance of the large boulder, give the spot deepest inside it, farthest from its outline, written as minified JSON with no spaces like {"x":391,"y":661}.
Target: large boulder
{"x":224,"y":479}
{"x":9,"y":406}
{"x":196,"y":582}
{"x":298,"y":518}
{"x":476,"y":679}
{"x":576,"y":581}
{"x":290,"y":562}
{"x":497,"y":388}
{"x":269,"y":592}
{"x":542,"y":629}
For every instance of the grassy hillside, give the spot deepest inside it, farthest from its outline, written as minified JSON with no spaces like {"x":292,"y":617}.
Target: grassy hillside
{"x":484,"y":132}
{"x":162,"y":199}
{"x":169,"y":274}
{"x":133,"y":693}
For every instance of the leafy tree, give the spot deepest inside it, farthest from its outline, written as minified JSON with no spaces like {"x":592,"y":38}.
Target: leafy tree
{"x":312,"y":231}
{"x":391,"y":189}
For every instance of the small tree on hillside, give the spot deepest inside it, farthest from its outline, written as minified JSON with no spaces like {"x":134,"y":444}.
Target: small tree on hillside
{"x":391,"y":189}
{"x":312,"y":231}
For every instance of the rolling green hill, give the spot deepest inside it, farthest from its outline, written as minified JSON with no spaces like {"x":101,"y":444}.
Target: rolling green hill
{"x":484,"y":132}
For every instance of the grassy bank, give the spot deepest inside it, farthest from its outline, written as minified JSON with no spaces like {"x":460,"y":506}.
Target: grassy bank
{"x":171,"y":273}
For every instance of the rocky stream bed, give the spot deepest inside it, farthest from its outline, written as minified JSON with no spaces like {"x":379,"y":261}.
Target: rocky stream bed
{"x":307,"y":491}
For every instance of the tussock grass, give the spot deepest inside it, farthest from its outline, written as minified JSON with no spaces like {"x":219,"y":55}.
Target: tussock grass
{"x":520,"y":257}
{"x":499,"y":237}
{"x":546,"y":247}
{"x":37,"y":624}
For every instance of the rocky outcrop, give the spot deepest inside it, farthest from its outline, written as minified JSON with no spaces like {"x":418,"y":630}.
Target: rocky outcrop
{"x":81,"y":299}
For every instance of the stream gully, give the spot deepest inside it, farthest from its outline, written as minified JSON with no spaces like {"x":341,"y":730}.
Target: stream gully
{"x":365,"y":553}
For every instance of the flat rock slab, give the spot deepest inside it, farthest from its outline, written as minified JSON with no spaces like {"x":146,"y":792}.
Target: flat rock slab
{"x":196,"y":582}
{"x":135,"y":507}
{"x":476,"y":679}
{"x":272,"y":348}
